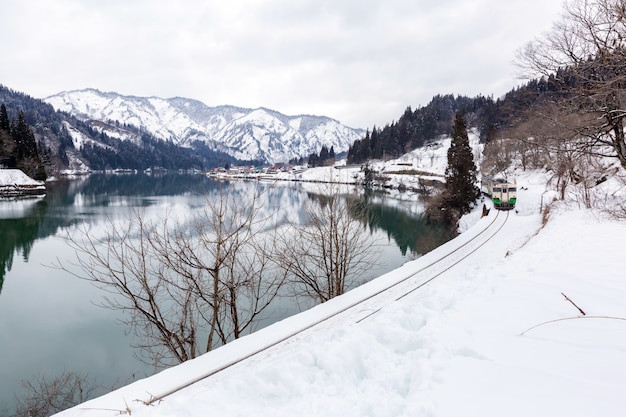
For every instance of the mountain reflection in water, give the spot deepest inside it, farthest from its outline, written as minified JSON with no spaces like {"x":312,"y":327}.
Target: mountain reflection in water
{"x":39,"y":303}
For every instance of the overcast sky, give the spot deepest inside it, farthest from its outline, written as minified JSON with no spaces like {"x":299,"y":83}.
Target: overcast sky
{"x":361,"y":62}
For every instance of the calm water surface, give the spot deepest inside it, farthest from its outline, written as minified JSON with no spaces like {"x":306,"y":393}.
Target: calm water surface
{"x":50,"y":321}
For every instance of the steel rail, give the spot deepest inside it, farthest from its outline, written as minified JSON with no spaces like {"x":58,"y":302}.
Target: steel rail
{"x":445,"y":269}
{"x":156,"y":398}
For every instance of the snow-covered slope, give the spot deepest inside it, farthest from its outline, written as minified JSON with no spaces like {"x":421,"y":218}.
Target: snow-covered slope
{"x":14,"y":183}
{"x":248,"y":134}
{"x":491,"y":336}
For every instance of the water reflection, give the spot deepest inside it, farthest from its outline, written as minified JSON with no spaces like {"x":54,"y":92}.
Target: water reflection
{"x":22,"y":222}
{"x":20,"y":225}
{"x":410,"y":232}
{"x":38,"y":303}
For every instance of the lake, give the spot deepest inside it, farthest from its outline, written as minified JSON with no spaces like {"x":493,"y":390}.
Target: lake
{"x":50,"y":321}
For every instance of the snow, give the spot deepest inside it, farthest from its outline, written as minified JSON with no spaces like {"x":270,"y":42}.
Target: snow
{"x":430,"y":161}
{"x":486,"y":331}
{"x":229,"y":128}
{"x":9,"y":177}
{"x":80,"y":140}
{"x":16,"y":185}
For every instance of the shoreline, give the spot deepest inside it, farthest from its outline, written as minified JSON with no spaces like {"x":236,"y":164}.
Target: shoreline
{"x":14,"y":184}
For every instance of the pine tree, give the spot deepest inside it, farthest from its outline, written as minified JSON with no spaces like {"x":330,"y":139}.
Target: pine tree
{"x":24,"y":139}
{"x":7,"y":144}
{"x":323,"y":157}
{"x":374,"y":144}
{"x":314,"y":160}
{"x":5,"y":124}
{"x":461,"y":189}
{"x":25,"y":152}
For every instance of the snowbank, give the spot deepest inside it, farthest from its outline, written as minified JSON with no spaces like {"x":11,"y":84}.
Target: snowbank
{"x":14,"y":182}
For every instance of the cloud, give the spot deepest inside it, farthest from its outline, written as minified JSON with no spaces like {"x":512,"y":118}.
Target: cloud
{"x":361,"y":62}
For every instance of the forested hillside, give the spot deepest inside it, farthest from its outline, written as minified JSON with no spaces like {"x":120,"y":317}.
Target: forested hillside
{"x":561,"y":122}
{"x":18,"y":148}
{"x":557,"y":121}
{"x":492,"y":118}
{"x":416,"y":127}
{"x":64,"y":142}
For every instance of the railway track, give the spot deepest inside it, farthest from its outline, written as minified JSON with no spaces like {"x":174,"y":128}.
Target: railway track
{"x":368,"y":305}
{"x":436,"y":268}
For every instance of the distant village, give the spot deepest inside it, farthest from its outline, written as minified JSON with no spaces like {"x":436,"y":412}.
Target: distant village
{"x":257,"y":172}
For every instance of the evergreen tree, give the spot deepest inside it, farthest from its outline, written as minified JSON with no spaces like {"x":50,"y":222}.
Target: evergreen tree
{"x":24,"y":139}
{"x":4,"y":119}
{"x":323,"y":157}
{"x":25,"y":153}
{"x":354,"y":152}
{"x":7,"y":144}
{"x":374,"y":144}
{"x":461,"y":189}
{"x":313,"y":160}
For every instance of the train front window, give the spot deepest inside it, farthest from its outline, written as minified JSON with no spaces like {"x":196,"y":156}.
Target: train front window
{"x":512,"y":189}
{"x":497,"y":189}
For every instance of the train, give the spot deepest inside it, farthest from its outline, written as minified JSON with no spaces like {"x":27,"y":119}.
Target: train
{"x":502,"y":192}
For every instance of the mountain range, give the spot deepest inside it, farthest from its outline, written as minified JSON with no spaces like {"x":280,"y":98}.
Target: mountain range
{"x":90,"y":130}
{"x":260,"y":134}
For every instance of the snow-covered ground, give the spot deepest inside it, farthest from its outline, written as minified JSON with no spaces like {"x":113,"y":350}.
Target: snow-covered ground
{"x":492,"y":336}
{"x":14,"y":183}
{"x":404,"y":173}
{"x":15,"y":177}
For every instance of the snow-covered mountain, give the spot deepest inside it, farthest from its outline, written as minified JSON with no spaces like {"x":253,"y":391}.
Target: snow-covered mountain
{"x":247,"y":134}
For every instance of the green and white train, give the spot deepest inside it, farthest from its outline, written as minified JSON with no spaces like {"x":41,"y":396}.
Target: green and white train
{"x":503,"y":193}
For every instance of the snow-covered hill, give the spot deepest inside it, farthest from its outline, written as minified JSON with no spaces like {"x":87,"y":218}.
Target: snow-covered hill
{"x":247,"y":134}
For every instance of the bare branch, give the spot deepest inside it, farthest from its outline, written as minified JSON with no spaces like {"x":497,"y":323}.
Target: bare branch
{"x":328,"y":254}
{"x":585,"y":53}
{"x":186,"y":285}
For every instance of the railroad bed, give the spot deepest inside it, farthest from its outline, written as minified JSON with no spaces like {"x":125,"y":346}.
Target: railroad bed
{"x":353,"y":309}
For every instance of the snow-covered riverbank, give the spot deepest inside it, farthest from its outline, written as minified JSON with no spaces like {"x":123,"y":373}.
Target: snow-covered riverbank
{"x":493,"y":335}
{"x":14,"y":183}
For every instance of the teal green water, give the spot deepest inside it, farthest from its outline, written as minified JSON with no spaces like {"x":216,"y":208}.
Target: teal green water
{"x":49,"y":319}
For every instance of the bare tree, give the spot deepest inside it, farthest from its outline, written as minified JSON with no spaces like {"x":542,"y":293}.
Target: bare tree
{"x":548,"y":142}
{"x":44,"y":396}
{"x":585,"y":52}
{"x":186,"y":285}
{"x":328,"y":253}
